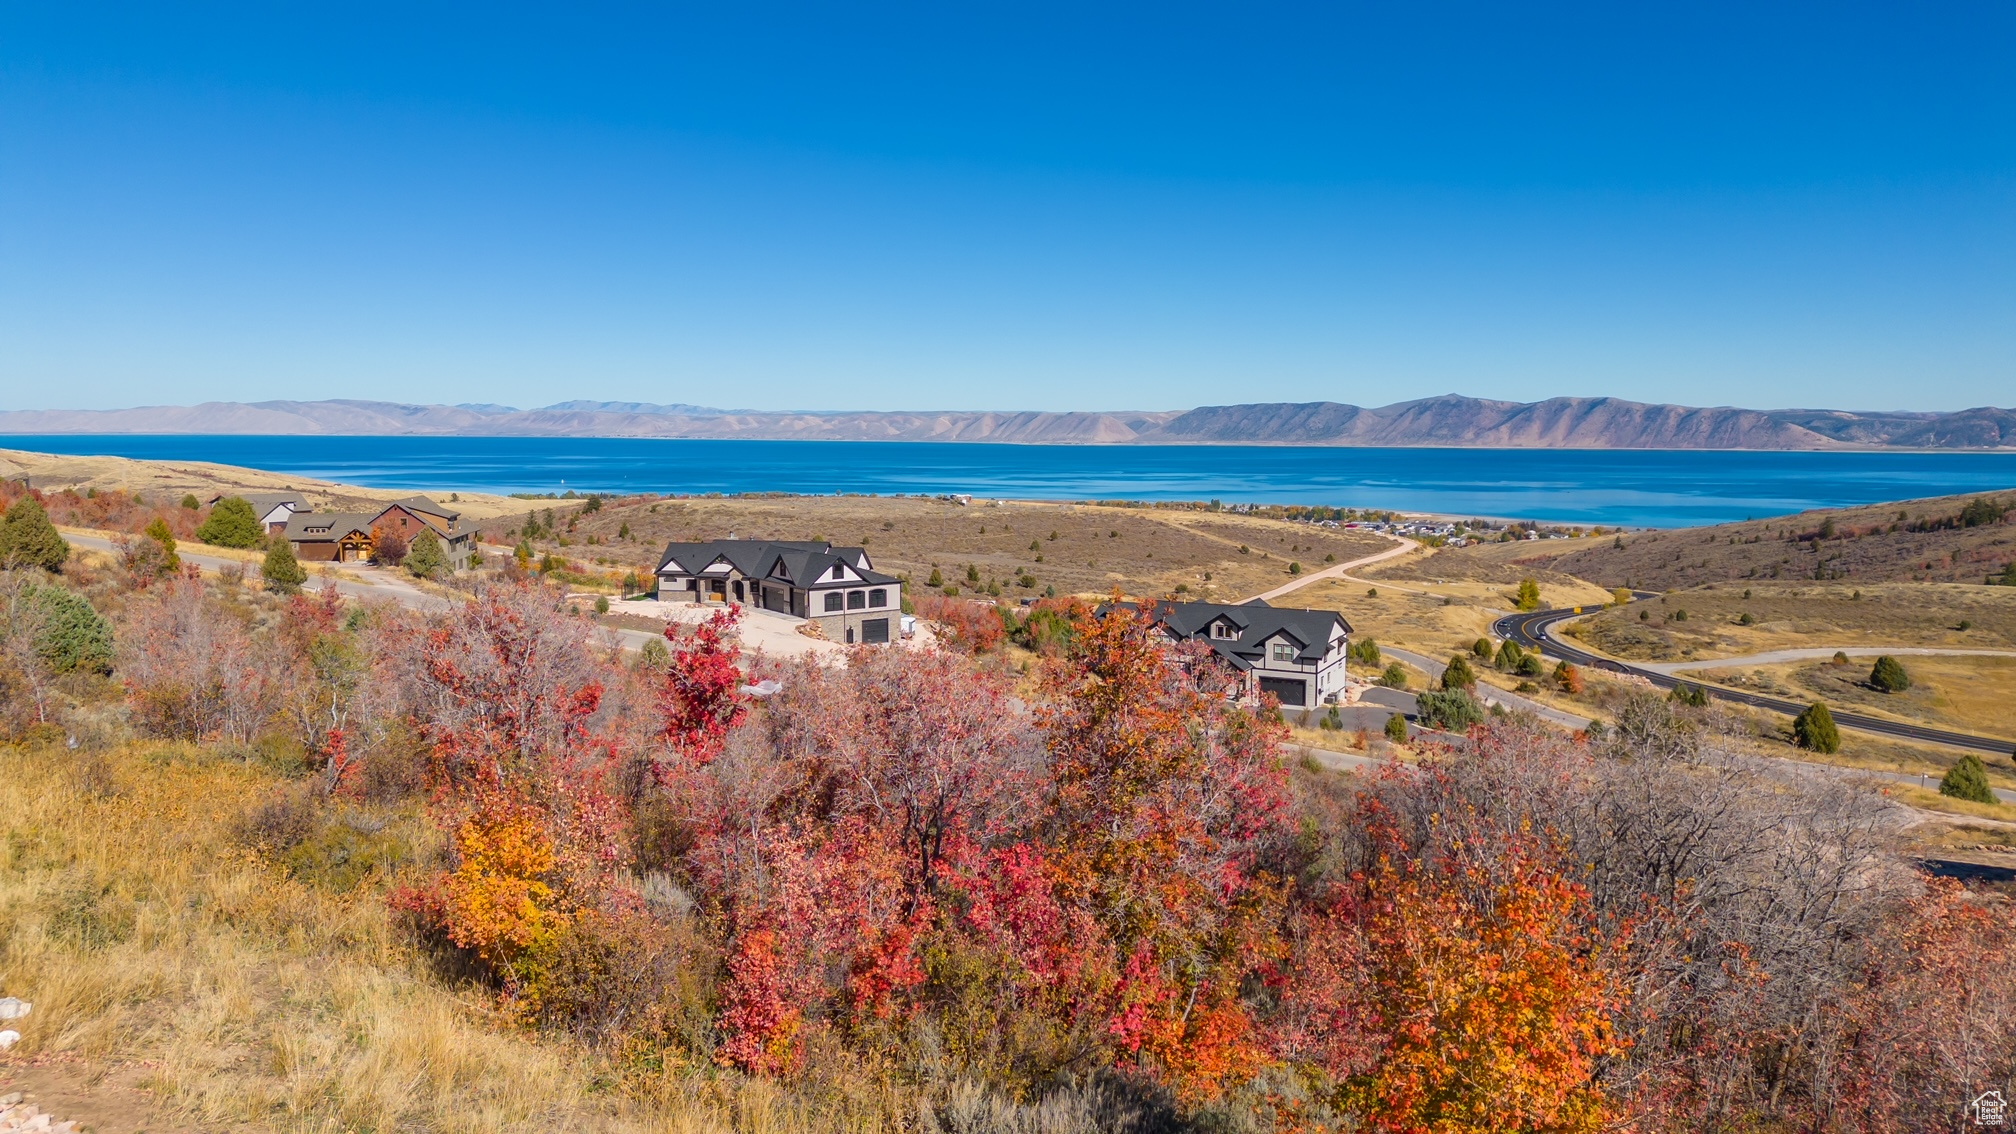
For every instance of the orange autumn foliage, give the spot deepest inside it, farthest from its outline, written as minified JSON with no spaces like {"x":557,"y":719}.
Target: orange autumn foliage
{"x":496,"y":901}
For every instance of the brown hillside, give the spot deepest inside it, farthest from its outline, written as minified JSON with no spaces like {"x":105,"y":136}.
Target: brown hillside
{"x":1910,"y":541}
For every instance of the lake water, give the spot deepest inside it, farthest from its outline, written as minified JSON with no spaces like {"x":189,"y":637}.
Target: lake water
{"x":1631,"y":487}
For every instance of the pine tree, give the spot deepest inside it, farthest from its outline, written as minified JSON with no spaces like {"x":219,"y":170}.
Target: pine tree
{"x":1968,"y":780}
{"x":232,"y":523}
{"x":71,"y":634}
{"x":1889,"y":676}
{"x":28,"y":539}
{"x":1396,"y":728}
{"x":1814,"y":729}
{"x":1459,"y":675}
{"x":1395,"y":677}
{"x":281,"y":570}
{"x":425,"y":558}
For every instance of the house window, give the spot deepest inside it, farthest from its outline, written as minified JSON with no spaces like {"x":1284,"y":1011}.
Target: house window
{"x":857,"y":600}
{"x":1282,"y":652}
{"x":1223,"y":631}
{"x":878,"y":598}
{"x":833,"y":601}
{"x":839,"y":572}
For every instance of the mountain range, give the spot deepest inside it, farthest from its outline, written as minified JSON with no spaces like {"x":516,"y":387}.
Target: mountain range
{"x":1450,"y":420}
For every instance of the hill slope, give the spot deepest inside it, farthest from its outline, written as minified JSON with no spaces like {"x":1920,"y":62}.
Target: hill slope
{"x":1913,"y":540}
{"x":1591,"y":423}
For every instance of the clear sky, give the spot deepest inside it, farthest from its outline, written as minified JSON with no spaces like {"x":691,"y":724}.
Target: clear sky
{"x":1030,"y":205}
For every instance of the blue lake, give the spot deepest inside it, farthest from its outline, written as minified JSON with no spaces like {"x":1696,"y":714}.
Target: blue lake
{"x":1632,"y":487}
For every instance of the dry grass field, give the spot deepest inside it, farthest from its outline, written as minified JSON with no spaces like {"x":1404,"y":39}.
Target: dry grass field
{"x":1075,"y":548}
{"x":1804,"y":615}
{"x":1971,"y":694}
{"x":1434,"y":615}
{"x":183,"y":982}
{"x":169,"y":480}
{"x":1503,"y":564}
{"x":1907,"y":541}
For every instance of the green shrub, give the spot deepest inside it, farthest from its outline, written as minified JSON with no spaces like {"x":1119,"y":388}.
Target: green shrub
{"x":1688,"y":693}
{"x":232,"y":523}
{"x":28,"y":539}
{"x":1396,"y":728}
{"x":1814,"y":729}
{"x":72,"y":636}
{"x":1458,"y":675}
{"x":1395,"y":676}
{"x":1365,"y":651}
{"x":281,"y":570}
{"x":425,"y":558}
{"x":1451,"y":710}
{"x":1509,"y":656}
{"x":1482,"y":648}
{"x":1889,"y":675}
{"x":1968,"y":780}
{"x":190,"y":502}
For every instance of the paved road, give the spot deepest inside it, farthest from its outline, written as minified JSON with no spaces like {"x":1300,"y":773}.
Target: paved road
{"x":1490,"y":694}
{"x":1534,"y":631}
{"x":1402,"y":547}
{"x":1774,"y":656}
{"x":367,"y":583}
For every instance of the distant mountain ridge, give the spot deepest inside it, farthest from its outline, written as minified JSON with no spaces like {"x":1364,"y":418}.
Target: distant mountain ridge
{"x":1449,"y":420}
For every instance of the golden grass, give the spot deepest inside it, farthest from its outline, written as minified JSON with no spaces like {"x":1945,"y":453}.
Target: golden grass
{"x":145,"y":936}
{"x":1972,"y":694}
{"x":168,"y":481}
{"x":1929,"y":799}
{"x":1142,"y":551}
{"x":1805,"y":616}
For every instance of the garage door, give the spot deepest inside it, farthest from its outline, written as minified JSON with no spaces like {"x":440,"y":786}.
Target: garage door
{"x":1287,"y":690}
{"x":875,"y":630}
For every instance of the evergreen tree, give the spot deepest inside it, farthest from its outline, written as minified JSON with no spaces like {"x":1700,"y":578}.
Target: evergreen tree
{"x":1687,"y":693}
{"x":190,"y":502}
{"x":1395,"y":677}
{"x":1482,"y":648}
{"x":232,"y":523}
{"x":281,"y":570}
{"x":1814,"y":729}
{"x":1889,"y":676}
{"x":1459,"y":675}
{"x":937,"y":578}
{"x":425,"y":558}
{"x":159,"y":533}
{"x":28,"y":539}
{"x":1529,"y":594}
{"x":71,"y":635}
{"x":1451,"y":710}
{"x":1968,"y":780}
{"x":1396,"y":729}
{"x":1510,"y":655}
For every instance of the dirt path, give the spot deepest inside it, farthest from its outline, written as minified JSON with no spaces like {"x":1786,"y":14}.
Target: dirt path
{"x":1773,"y":656}
{"x":1404,"y":546}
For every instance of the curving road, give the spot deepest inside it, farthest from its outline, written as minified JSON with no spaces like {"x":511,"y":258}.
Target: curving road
{"x":1532,"y":630}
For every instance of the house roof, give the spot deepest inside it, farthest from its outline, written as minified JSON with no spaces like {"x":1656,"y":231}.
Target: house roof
{"x":1257,"y":623}
{"x":800,"y":564}
{"x":310,"y":527}
{"x":446,"y":522}
{"x":428,"y":505}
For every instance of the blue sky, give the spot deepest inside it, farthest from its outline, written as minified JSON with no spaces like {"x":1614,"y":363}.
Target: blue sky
{"x":1053,"y":206}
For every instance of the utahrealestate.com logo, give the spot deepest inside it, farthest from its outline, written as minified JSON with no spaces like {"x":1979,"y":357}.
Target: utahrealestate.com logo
{"x":1989,"y":1109}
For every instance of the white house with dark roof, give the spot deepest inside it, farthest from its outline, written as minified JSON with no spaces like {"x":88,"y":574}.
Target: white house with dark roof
{"x":1296,"y":655}
{"x":837,"y":587}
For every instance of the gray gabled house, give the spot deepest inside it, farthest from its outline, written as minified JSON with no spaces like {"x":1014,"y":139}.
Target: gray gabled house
{"x":837,"y":587}
{"x":1296,"y":655}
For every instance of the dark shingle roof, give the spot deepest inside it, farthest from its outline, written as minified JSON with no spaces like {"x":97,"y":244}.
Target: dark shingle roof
{"x":1256,"y":623}
{"x":803,"y":563}
{"x":313,"y":526}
